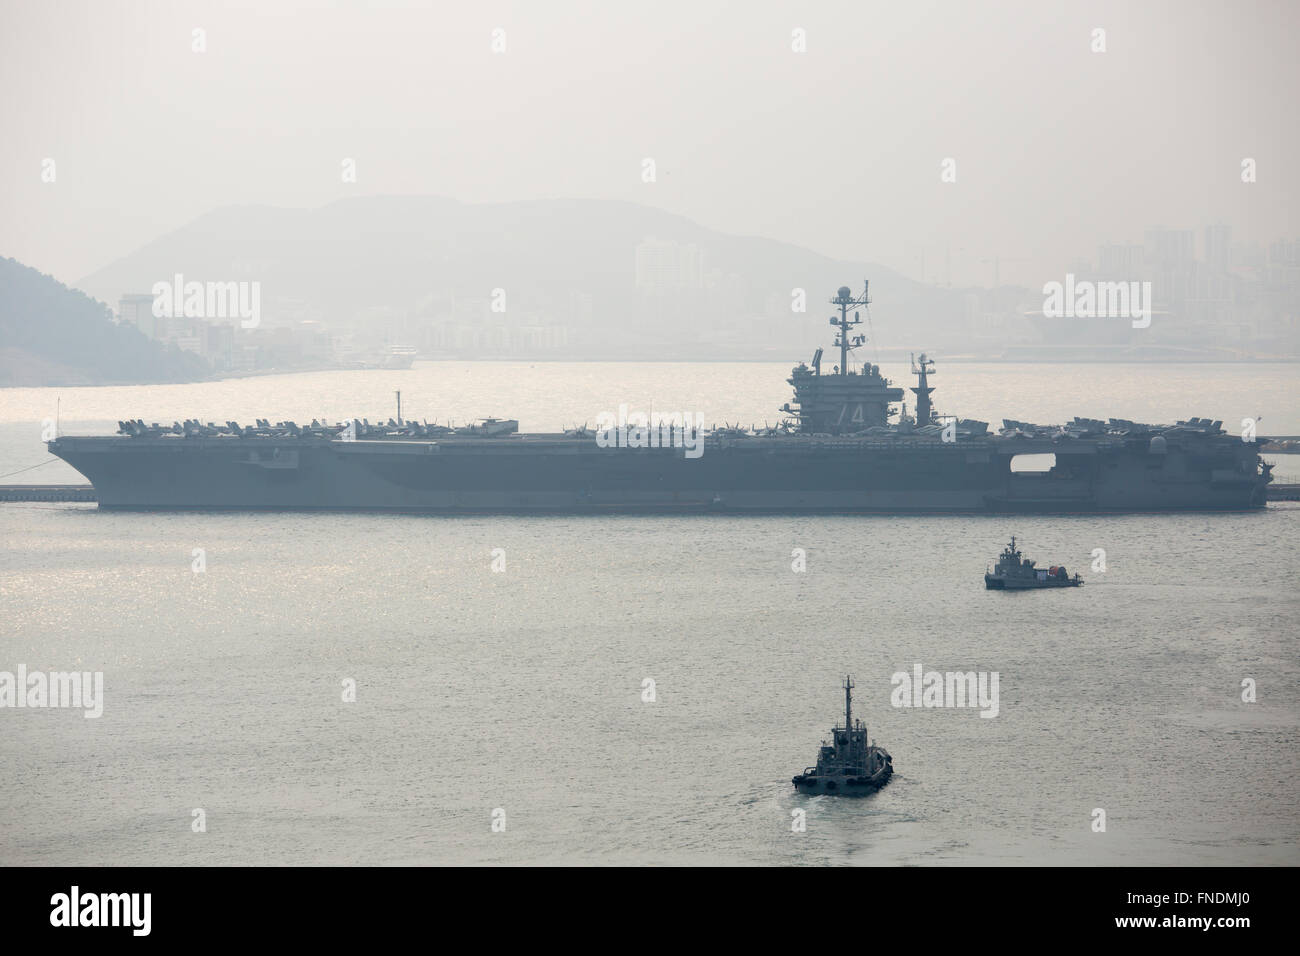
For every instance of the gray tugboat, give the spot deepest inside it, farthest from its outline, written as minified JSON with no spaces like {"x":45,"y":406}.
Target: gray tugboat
{"x":849,"y":766}
{"x":1014,"y":573}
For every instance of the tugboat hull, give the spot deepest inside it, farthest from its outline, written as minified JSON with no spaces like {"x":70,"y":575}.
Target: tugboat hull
{"x":995,"y":583}
{"x":842,"y":786}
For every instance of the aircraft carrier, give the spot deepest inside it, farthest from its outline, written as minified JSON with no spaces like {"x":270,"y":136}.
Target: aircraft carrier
{"x":844,"y":446}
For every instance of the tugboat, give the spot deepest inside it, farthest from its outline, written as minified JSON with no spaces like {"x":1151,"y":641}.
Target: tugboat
{"x":1016,"y":574}
{"x":849,"y":766}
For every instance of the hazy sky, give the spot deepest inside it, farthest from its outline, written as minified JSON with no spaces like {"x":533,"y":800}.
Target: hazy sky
{"x":839,"y":148}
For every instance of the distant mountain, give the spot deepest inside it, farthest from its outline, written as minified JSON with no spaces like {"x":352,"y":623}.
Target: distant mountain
{"x":53,"y":335}
{"x":411,"y":261}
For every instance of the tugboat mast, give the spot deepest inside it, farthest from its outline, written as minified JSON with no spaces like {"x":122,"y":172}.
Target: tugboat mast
{"x":845,"y":298}
{"x":848,"y":704}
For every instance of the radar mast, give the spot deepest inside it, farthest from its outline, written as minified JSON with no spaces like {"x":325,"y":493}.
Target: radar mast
{"x":844,"y":340}
{"x":923,"y":369}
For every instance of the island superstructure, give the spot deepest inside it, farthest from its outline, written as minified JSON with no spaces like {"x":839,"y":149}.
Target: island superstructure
{"x":843,"y":446}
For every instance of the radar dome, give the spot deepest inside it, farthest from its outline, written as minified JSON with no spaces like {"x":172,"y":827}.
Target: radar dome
{"x":845,"y":292}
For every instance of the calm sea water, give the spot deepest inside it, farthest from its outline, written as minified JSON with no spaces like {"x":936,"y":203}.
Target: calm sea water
{"x":522,"y":690}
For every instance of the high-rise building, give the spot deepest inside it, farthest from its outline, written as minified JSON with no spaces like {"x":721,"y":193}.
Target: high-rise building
{"x":1218,"y":247}
{"x":137,"y":309}
{"x":662,"y":265}
{"x":1170,"y":250}
{"x":1118,"y":261}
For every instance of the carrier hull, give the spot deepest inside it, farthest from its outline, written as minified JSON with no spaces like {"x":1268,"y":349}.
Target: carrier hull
{"x":556,"y":474}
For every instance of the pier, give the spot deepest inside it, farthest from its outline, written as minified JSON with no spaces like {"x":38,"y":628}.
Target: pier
{"x":47,"y":493}
{"x":1283,"y":492}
